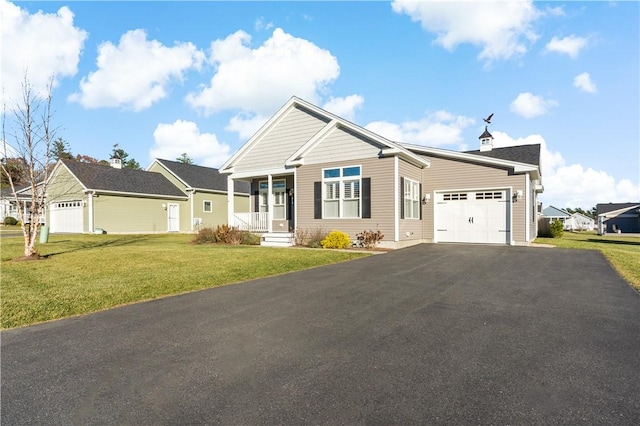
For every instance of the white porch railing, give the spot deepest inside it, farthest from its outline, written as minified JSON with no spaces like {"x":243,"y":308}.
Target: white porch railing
{"x":254,"y":222}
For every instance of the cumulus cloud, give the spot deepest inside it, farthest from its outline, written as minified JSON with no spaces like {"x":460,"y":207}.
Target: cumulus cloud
{"x":344,"y":107}
{"x":246,"y":124}
{"x":171,"y":140}
{"x":584,"y":83}
{"x":42,"y":45}
{"x":572,"y":185}
{"x":136,"y":73}
{"x":259,"y":80}
{"x":261,"y":24}
{"x":501,"y":29}
{"x":571,"y":45}
{"x":529,"y":105}
{"x":436,"y":129}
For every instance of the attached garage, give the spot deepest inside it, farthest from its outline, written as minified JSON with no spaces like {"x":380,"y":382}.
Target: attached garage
{"x":66,"y":216}
{"x":481,"y":216}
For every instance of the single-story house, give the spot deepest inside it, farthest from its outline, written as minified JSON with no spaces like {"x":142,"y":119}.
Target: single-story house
{"x":580,"y":222}
{"x":618,"y":218}
{"x":8,"y":202}
{"x":88,"y":198}
{"x":310,"y":169}
{"x":554,"y":213}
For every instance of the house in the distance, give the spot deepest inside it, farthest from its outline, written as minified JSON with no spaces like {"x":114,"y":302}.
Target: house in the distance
{"x":580,"y":222}
{"x":88,"y":198}
{"x":621,"y":218}
{"x":310,"y":169}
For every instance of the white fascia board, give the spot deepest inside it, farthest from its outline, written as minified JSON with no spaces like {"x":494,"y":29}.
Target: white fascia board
{"x":135,"y":194}
{"x":172,"y":174}
{"x":61,"y":164}
{"x":517,"y":166}
{"x":411,"y":158}
{"x":214,"y":191}
{"x":263,"y":172}
{"x":261,"y":131}
{"x":297,"y":158}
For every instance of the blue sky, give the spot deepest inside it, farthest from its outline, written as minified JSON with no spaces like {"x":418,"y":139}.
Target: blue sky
{"x":163,"y":78}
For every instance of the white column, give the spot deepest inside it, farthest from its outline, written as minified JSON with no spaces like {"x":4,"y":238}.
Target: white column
{"x":269,"y":203}
{"x":90,"y":208}
{"x":230,"y":198}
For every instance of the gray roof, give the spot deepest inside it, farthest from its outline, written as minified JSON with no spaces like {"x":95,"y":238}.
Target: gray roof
{"x":528,"y":154}
{"x":201,"y":177}
{"x":609,"y":207}
{"x":555,"y":212}
{"x":106,"y":178}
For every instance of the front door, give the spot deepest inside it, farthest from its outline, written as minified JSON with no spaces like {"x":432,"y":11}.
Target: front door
{"x":173,"y":217}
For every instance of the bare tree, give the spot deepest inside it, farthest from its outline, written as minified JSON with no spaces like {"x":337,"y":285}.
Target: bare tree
{"x":31,"y":137}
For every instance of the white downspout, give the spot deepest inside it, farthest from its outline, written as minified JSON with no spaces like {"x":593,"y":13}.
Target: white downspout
{"x":396,"y":200}
{"x":230,"y":199}
{"x":191,"y":192}
{"x":90,"y":208}
{"x":527,"y":206}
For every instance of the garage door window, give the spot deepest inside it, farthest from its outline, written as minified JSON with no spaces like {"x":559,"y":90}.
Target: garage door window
{"x":455,"y":197}
{"x":489,"y":195}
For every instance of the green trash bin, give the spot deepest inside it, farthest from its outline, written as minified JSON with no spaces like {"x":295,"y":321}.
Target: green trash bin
{"x":44,"y":234}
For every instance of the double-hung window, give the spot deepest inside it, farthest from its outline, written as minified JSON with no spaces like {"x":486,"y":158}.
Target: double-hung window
{"x":411,"y":199}
{"x":341,"y":192}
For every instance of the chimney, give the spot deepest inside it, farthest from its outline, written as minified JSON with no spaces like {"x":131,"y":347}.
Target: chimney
{"x":486,"y":140}
{"x":115,"y":162}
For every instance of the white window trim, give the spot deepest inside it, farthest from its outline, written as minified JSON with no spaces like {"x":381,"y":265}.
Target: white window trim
{"x":415,"y":186}
{"x":341,"y":189}
{"x":204,"y":209}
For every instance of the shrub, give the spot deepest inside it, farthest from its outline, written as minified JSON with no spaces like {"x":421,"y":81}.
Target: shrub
{"x":369,"y":239}
{"x":10,"y":221}
{"x":336,"y":240}
{"x":310,"y":237}
{"x":205,"y":236}
{"x":557,"y":228}
{"x":250,"y":239}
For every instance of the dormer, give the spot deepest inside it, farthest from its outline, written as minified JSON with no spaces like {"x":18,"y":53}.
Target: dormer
{"x":486,"y":140}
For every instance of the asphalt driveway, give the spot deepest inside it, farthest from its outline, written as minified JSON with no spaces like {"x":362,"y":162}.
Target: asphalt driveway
{"x":432,"y":334}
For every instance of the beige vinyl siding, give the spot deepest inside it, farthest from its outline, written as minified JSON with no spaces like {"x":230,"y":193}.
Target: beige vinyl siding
{"x":445,"y":174}
{"x":63,"y":186}
{"x":341,"y":145}
{"x":281,"y":141}
{"x":119,"y":214}
{"x":410,"y":229}
{"x":380,"y":170}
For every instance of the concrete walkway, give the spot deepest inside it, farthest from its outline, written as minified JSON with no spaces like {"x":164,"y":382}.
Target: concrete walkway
{"x":431,"y":334}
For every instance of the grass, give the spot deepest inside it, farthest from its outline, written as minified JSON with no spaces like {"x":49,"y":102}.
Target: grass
{"x":622,"y":252}
{"x":88,"y":273}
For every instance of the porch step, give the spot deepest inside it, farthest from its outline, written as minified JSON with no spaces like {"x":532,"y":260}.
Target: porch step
{"x":277,"y":239}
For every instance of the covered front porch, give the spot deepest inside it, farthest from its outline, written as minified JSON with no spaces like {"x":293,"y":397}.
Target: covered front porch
{"x":272,"y":207}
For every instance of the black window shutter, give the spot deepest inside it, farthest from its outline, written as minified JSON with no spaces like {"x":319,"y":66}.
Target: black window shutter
{"x":317,"y":200}
{"x":420,"y":200}
{"x":366,"y":198}
{"x":256,"y":201}
{"x":401,"y":198}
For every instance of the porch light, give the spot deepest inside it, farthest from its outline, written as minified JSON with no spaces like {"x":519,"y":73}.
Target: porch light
{"x":426,"y":198}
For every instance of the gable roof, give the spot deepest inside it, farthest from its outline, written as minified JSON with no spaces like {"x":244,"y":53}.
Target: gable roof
{"x":528,"y":154}
{"x":97,"y":177}
{"x":297,"y":157}
{"x":614,"y":207}
{"x":200,"y":177}
{"x":555,"y":212}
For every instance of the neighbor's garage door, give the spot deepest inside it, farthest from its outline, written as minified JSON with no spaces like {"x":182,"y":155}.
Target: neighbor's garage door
{"x":66,"y":217}
{"x":473,"y":217}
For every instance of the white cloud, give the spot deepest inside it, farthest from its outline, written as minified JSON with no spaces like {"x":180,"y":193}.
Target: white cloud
{"x":571,"y":45}
{"x":572,"y":185}
{"x":344,"y":107}
{"x":584,"y":83}
{"x":171,"y":140}
{"x":261,"y":24}
{"x":259,"y":80}
{"x":246,"y":124}
{"x":529,"y":105}
{"x":135,"y":73}
{"x":501,"y":29}
{"x":44,"y":45}
{"x":437,"y":129}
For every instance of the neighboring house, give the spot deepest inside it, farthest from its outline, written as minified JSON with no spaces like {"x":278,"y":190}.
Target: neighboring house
{"x":311,"y":169}
{"x":8,"y":200}
{"x":87,"y":198}
{"x":553,"y":213}
{"x":207,"y":191}
{"x":618,"y":218}
{"x":580,"y":222}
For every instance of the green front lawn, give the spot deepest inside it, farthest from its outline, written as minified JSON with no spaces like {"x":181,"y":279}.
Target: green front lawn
{"x":88,"y":273}
{"x":622,"y":252}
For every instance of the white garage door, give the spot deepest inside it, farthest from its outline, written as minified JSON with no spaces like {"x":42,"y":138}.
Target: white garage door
{"x":473,"y":217}
{"x":66,"y":216}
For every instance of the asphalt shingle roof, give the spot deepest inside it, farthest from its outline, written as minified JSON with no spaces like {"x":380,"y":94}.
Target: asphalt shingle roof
{"x":609,"y":207}
{"x":107,"y":178}
{"x":201,"y":177}
{"x":528,"y":154}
